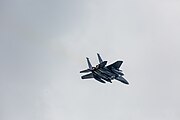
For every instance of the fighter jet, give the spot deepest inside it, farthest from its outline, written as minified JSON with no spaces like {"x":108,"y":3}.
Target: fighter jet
{"x":102,"y":72}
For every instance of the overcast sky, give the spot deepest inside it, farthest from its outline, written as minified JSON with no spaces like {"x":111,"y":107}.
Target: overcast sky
{"x":43,"y":45}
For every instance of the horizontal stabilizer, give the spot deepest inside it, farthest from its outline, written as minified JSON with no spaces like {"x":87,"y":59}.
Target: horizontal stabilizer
{"x":85,"y":71}
{"x":116,"y":65}
{"x":88,"y":76}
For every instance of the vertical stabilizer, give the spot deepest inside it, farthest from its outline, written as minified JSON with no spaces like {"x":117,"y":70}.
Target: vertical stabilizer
{"x":89,"y":64}
{"x":99,"y":58}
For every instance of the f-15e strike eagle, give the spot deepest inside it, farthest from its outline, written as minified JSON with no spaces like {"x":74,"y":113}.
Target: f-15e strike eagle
{"x":104,"y":73}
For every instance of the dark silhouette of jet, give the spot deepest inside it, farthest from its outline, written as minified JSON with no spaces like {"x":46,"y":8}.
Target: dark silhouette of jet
{"x":104,"y":73}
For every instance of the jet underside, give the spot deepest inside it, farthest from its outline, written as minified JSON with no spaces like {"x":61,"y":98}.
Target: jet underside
{"x":103,"y":73}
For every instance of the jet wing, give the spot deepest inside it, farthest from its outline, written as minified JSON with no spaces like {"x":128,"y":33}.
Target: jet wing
{"x":88,"y":76}
{"x":116,"y":65}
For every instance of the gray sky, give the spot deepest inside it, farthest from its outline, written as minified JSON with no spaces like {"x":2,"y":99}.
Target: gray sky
{"x":43,"y":45}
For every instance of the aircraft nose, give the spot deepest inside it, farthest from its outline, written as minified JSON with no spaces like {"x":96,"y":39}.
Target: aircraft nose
{"x":120,"y":78}
{"x":125,"y":82}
